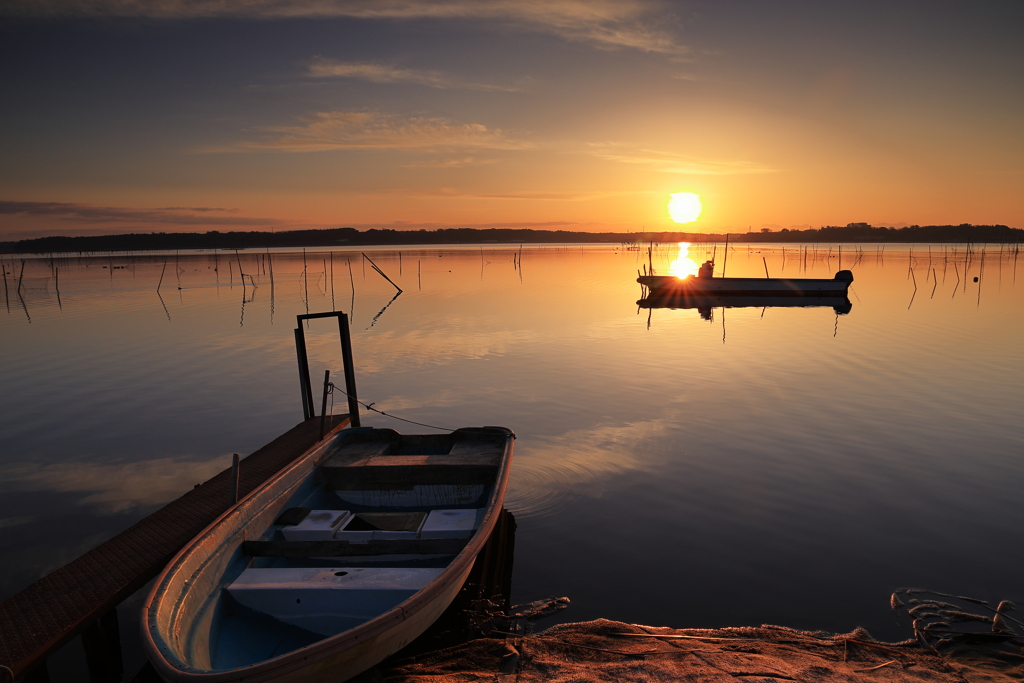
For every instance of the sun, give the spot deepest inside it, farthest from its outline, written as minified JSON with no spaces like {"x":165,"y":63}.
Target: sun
{"x":684,"y":207}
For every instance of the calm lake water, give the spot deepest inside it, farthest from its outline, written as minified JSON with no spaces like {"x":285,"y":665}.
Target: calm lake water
{"x":744,"y":466}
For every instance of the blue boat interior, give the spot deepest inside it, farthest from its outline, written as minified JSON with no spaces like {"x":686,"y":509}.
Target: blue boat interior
{"x":379,"y":517}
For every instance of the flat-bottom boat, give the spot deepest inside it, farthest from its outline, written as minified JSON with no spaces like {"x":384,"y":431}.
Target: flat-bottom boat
{"x":335,"y":563}
{"x":706,"y":285}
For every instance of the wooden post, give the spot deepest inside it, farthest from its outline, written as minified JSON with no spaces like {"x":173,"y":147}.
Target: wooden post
{"x":350,"y":371}
{"x":102,"y":645}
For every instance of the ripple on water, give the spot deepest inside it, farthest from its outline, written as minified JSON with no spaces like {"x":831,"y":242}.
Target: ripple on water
{"x":542,"y":492}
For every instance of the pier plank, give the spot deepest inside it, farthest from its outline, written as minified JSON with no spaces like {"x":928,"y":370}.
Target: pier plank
{"x":53,"y":610}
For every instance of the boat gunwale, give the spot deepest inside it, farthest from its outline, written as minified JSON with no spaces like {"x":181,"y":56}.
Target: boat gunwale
{"x":295,"y":660}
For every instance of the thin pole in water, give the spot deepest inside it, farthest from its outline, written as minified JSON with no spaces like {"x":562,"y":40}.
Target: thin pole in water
{"x":725,"y":262}
{"x":765,"y":268}
{"x":381,"y":272}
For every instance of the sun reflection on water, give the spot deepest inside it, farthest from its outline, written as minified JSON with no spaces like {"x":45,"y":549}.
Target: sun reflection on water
{"x":683,"y":265}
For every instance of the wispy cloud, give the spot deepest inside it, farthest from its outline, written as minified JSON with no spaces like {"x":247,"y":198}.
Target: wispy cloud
{"x":409,"y":225}
{"x":86,"y":213}
{"x":636,"y":24}
{"x":529,"y":195}
{"x":460,"y":162}
{"x":561,"y":196}
{"x":370,"y":130}
{"x":321,"y":67}
{"x":671,"y":163}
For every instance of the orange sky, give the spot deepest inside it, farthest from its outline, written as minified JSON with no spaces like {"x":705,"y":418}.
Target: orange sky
{"x":167,"y":116}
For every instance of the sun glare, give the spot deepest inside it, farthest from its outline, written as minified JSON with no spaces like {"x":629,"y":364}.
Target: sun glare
{"x":684,"y":207}
{"x":683,"y":265}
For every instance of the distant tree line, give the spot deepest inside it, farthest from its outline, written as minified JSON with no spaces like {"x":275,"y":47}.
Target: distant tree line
{"x":863,"y":232}
{"x":336,"y":237}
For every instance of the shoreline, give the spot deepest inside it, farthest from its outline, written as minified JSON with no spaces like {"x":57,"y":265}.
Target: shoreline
{"x":350,"y":237}
{"x":605,"y":650}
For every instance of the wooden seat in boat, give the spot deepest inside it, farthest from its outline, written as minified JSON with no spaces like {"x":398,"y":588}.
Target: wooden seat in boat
{"x":387,"y":459}
{"x":344,"y":597}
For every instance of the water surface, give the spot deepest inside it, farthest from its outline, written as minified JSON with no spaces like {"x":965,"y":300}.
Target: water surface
{"x":735,"y":466}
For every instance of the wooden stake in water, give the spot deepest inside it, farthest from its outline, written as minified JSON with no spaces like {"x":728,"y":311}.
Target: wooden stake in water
{"x":381,"y":272}
{"x":725,"y":262}
{"x":763,"y":259}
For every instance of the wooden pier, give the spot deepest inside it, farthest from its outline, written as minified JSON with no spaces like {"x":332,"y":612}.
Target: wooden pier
{"x":81,"y":597}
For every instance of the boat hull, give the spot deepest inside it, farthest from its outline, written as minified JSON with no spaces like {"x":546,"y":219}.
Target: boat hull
{"x":669,"y":285}
{"x":179,"y":606}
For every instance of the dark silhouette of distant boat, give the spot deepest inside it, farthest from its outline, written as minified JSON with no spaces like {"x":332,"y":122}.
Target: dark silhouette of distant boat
{"x":704,"y":284}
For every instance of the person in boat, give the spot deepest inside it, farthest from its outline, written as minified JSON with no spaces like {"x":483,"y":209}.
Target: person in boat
{"x":707,"y":269}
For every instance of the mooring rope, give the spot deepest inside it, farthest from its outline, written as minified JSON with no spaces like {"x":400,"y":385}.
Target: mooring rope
{"x":369,"y":406}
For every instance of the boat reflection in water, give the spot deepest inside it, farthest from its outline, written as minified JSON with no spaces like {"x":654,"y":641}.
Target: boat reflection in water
{"x":705,"y":303}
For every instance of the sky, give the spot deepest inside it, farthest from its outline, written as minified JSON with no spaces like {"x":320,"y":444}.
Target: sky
{"x":190,"y":115}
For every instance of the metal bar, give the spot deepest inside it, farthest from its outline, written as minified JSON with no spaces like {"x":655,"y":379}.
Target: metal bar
{"x":350,"y":371}
{"x":307,"y":386}
{"x":299,"y":348}
{"x":323,"y":406}
{"x":311,"y":316}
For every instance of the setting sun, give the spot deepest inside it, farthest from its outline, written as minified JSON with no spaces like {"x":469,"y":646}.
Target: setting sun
{"x":685,"y":207}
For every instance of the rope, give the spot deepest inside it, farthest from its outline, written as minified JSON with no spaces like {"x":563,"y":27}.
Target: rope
{"x":7,"y":670}
{"x":369,"y":406}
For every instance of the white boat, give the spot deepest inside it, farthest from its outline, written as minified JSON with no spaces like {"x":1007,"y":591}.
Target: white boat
{"x":334,"y":564}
